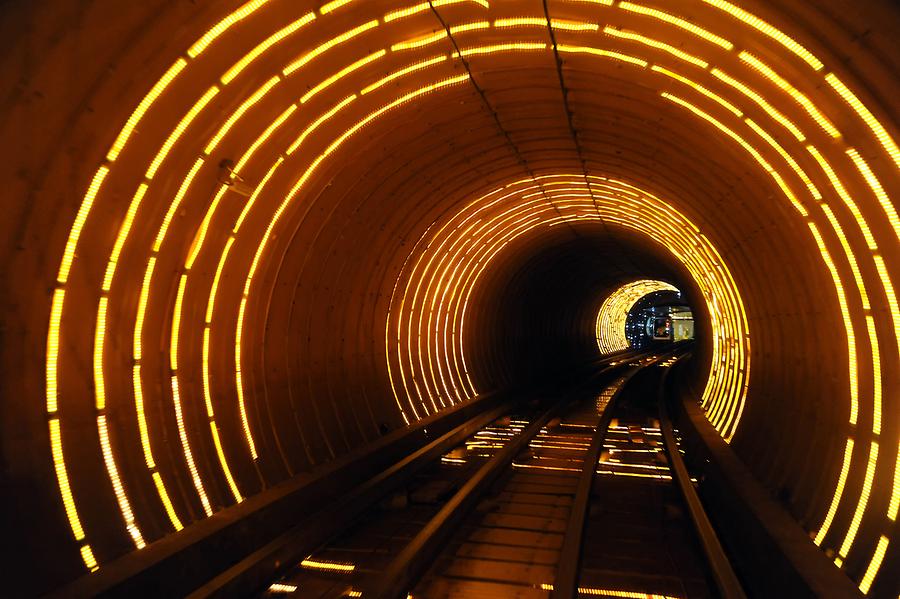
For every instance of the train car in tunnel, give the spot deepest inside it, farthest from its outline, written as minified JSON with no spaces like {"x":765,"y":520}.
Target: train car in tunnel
{"x":254,"y":250}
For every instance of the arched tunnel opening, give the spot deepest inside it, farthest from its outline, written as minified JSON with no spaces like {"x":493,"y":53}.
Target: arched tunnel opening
{"x":264,"y":259}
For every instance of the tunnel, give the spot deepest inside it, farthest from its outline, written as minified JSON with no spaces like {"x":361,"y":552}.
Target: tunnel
{"x":246,"y":241}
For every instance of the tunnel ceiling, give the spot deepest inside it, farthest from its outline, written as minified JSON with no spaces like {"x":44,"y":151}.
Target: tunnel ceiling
{"x":243,"y":239}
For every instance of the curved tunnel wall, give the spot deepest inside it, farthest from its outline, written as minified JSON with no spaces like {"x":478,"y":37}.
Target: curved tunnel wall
{"x":187,"y":343}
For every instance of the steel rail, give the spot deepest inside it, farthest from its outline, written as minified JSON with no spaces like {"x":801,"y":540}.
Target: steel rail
{"x":259,"y":568}
{"x":408,"y":566}
{"x":723,"y":574}
{"x":565,"y":585}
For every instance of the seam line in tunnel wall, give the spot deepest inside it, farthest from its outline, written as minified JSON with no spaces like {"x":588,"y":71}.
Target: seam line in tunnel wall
{"x":725,"y":413}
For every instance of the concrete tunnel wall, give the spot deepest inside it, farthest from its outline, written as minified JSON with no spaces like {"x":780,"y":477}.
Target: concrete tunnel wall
{"x":324,"y":320}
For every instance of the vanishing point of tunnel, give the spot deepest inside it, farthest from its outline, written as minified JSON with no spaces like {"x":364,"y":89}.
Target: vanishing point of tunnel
{"x":281,"y":277}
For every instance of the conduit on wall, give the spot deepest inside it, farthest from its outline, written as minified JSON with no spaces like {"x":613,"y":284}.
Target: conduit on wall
{"x":186,"y":396}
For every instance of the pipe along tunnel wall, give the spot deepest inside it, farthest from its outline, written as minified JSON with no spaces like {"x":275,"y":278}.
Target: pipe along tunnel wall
{"x":430,"y":202}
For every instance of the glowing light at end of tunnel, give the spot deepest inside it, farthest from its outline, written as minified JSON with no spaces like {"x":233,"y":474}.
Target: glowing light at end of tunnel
{"x":610,"y":329}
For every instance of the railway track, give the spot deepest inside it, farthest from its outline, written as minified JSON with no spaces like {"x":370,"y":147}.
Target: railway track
{"x":582,"y":495}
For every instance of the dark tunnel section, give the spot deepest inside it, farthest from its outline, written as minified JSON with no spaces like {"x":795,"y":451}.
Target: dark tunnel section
{"x":534,"y":314}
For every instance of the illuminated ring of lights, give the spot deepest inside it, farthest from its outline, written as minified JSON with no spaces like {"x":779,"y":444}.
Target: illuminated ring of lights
{"x":864,"y":170}
{"x":615,"y":309}
{"x":726,"y":387}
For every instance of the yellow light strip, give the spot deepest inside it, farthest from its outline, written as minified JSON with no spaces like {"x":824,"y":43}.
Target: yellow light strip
{"x":768,"y":108}
{"x":863,"y":501}
{"x":170,"y":510}
{"x":510,"y":47}
{"x":56,"y":307}
{"x":255,"y":194}
{"x":475,"y":26}
{"x":270,"y":41}
{"x":810,"y":108}
{"x":875,"y":185}
{"x":878,"y":130}
{"x":333,"y":6}
{"x":222,"y":26}
{"x":237,"y":114}
{"x":347,"y":35}
{"x":203,"y":229}
{"x":779,"y":180}
{"x":78,"y":225}
{"x":636,"y":37}
{"x":278,"y":587}
{"x":696,"y":86}
{"x":176,"y":322}
{"x":225,"y":468}
{"x":561,"y":24}
{"x":603,"y":53}
{"x":175,"y":205}
{"x":323,"y":565}
{"x":142,"y":308}
{"x":124,"y":230}
{"x":423,"y":6}
{"x":263,"y":137}
{"x":611,"y":592}
{"x":315,"y":124}
{"x":118,"y":489}
{"x":845,"y":197}
{"x":894,"y":505}
{"x":342,"y":73}
{"x":419,"y":41}
{"x":63,"y":479}
{"x":87,"y":555}
{"x":768,"y":30}
{"x":185,"y":443}
{"x":404,"y":71}
{"x":874,"y":565}
{"x":210,"y":304}
{"x":179,"y":130}
{"x":242,"y":408}
{"x":813,"y":190}
{"x":141,"y":416}
{"x":142,"y":108}
{"x":99,"y":338}
{"x":681,"y":23}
